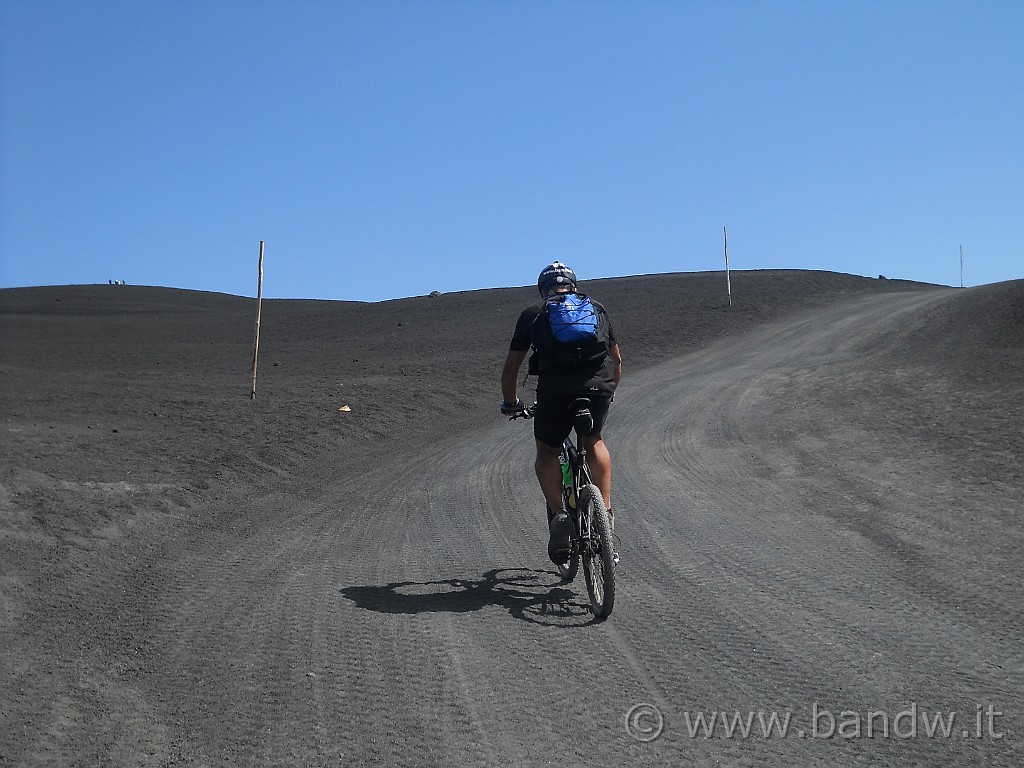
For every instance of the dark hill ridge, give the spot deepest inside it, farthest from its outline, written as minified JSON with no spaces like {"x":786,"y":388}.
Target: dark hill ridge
{"x":825,"y":483}
{"x":957,"y":370}
{"x":81,"y":361}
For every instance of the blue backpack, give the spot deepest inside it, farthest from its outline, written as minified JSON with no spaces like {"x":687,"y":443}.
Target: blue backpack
{"x":572,"y":331}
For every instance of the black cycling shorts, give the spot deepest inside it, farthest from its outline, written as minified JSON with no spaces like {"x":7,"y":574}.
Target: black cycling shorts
{"x":552,"y":421}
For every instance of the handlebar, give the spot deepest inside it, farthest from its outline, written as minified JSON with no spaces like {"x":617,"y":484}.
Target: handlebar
{"x":526,"y":413}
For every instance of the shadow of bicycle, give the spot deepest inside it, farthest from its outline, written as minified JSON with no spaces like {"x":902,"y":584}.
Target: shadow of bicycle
{"x":526,"y":594}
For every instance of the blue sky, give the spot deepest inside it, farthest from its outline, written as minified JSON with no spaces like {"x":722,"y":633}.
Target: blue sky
{"x":387,"y":149}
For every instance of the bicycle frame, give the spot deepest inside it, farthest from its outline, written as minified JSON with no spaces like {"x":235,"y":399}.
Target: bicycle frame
{"x":582,"y":540}
{"x":577,"y":456}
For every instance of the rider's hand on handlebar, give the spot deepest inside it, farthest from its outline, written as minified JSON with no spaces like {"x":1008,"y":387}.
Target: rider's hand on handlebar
{"x":509,"y":409}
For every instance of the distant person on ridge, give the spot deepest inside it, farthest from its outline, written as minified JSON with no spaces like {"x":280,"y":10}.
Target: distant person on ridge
{"x":560,"y":380}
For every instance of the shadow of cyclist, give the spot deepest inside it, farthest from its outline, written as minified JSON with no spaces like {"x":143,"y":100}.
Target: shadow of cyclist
{"x":518,"y":590}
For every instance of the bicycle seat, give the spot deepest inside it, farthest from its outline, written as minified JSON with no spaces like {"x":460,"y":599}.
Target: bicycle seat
{"x":582,"y":419}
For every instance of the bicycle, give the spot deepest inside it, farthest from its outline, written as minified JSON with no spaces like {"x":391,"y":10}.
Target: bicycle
{"x":591,"y":537}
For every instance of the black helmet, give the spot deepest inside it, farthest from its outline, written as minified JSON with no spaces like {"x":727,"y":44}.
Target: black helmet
{"x":553,"y":275}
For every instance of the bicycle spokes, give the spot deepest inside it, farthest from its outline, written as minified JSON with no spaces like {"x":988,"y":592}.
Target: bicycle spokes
{"x":596,"y":551}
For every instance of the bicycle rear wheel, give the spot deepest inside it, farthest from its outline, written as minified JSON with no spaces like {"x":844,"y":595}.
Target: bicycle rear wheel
{"x":596,"y":551}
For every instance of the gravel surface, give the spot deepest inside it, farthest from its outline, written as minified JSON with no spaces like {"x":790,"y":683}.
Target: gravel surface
{"x":818,"y":497}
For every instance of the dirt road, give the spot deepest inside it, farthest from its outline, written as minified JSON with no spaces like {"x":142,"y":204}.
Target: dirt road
{"x":793,"y":542}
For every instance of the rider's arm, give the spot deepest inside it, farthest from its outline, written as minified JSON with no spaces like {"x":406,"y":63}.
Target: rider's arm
{"x":510,"y":375}
{"x":616,"y":355}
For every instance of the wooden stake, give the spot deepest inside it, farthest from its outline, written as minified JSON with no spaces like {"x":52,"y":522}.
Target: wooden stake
{"x":259,"y":311}
{"x":728,"y":278}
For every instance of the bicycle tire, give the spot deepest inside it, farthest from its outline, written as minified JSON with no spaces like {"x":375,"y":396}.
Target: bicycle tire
{"x":599,"y":565}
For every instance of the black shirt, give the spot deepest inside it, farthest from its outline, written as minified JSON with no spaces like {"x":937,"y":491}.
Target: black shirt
{"x":554,"y":380}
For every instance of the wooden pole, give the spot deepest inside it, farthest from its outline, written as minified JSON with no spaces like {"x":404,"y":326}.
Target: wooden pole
{"x":259,"y":311}
{"x":728,"y":278}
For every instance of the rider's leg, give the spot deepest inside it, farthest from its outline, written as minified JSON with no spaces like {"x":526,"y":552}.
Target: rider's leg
{"x":549,"y":474}
{"x":600,"y":462}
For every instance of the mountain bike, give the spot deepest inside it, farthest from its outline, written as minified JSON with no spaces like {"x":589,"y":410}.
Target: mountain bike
{"x":591,"y":537}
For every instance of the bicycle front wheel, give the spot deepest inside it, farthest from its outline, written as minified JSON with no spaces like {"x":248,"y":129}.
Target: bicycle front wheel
{"x":596,"y":551}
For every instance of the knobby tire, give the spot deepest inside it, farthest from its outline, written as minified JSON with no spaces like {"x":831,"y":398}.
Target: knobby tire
{"x":598,"y":567}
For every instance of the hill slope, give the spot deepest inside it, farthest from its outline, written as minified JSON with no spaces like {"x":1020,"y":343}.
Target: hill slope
{"x":818,"y":504}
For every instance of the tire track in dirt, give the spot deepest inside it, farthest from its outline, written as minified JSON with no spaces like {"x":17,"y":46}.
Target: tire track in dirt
{"x":795,"y":607}
{"x":500,"y":612}
{"x":406,"y":613}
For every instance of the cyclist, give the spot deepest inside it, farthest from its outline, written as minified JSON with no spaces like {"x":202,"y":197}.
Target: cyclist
{"x":558,"y":385}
